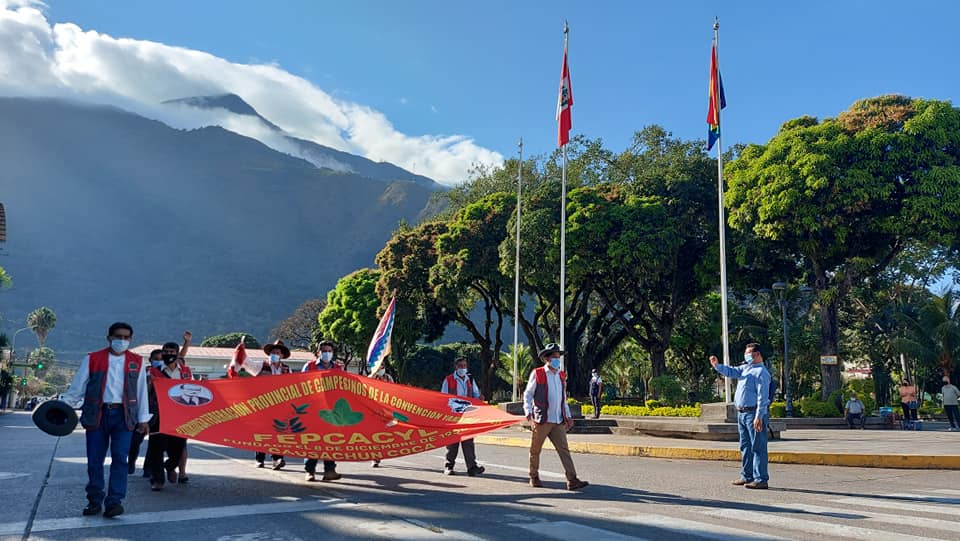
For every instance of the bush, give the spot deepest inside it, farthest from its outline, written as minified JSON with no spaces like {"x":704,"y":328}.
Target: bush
{"x":643,"y":411}
{"x":230,"y":340}
{"x":652,"y":404}
{"x":667,"y":389}
{"x":778,"y":409}
{"x":812,"y":407}
{"x":572,"y":401}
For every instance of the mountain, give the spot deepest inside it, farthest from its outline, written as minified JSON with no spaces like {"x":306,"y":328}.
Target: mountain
{"x":319,"y":155}
{"x":112,"y":216}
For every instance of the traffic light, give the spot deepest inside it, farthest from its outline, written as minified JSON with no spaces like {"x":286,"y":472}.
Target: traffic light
{"x":23,"y":382}
{"x":40,"y":365}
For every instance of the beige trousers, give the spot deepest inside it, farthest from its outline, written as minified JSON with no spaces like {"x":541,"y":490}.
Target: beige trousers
{"x":558,"y":437}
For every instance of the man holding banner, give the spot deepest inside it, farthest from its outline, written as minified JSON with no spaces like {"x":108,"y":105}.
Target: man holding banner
{"x":324,"y":361}
{"x":276,"y":351}
{"x":460,"y":383}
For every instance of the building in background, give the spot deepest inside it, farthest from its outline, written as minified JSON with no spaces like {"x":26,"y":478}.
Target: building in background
{"x":211,"y":363}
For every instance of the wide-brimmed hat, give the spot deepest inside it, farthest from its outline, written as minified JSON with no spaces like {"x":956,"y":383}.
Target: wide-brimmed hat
{"x":549,"y":349}
{"x":284,"y":350}
{"x":55,"y":417}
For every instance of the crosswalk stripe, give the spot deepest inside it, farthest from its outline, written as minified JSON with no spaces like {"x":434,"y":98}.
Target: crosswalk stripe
{"x":925,"y":498}
{"x":571,"y":531}
{"x":812,"y":525}
{"x":879,"y":516}
{"x":676,"y":525}
{"x":899,"y":505}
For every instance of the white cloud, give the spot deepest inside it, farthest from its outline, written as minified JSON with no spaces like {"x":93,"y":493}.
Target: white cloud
{"x":40,"y":59}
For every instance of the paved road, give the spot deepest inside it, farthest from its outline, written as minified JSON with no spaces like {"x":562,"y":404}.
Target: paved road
{"x":42,"y":478}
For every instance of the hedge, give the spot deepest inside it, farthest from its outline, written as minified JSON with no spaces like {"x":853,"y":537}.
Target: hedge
{"x":643,"y":411}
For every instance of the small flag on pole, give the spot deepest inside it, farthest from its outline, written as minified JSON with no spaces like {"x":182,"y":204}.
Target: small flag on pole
{"x":240,"y":365}
{"x":380,"y":345}
{"x":564,"y":102}
{"x":717,"y":100}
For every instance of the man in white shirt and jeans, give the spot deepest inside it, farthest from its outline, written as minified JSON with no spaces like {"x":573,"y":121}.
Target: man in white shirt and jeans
{"x":854,"y":412}
{"x":113,"y":386}
{"x":545,"y":403}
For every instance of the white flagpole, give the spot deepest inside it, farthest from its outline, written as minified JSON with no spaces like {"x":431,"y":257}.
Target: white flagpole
{"x":723,"y":221}
{"x":563,"y":227}
{"x":516,"y":282}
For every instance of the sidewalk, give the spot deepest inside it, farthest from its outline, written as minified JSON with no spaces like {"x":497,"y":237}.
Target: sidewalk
{"x":838,"y":447}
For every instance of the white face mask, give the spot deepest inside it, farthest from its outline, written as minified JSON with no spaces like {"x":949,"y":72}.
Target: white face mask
{"x":380,"y":373}
{"x":462,"y":372}
{"x":326,"y":356}
{"x":119,"y":346}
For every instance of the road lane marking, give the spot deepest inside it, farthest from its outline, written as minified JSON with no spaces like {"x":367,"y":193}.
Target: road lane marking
{"x":571,"y":531}
{"x":681,"y":526}
{"x":179,"y":515}
{"x":879,"y":516}
{"x":812,"y":524}
{"x":899,"y":505}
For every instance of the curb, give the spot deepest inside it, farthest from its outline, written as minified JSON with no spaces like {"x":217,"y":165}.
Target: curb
{"x":911,"y":462}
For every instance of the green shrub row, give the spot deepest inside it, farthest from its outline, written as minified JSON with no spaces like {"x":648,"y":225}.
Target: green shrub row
{"x":643,"y":411}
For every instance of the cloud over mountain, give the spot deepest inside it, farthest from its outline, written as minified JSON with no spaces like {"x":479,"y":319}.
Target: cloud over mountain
{"x":38,"y":58}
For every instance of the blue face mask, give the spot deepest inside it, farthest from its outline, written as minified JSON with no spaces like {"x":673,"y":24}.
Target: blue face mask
{"x":462,"y":372}
{"x":748,"y":357}
{"x":157,"y":364}
{"x":555,"y":363}
{"x":119,"y":346}
{"x":274,"y":358}
{"x":326,"y":356}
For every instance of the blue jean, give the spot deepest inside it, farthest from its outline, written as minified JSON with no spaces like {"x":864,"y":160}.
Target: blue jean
{"x":753,"y":448}
{"x":113,"y":434}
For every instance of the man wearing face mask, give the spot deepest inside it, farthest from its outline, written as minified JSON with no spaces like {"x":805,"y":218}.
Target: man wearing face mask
{"x":460,"y":383}
{"x":324,"y":361}
{"x":136,"y":440}
{"x":752,"y":401}
{"x":276,"y":352}
{"x":545,"y":403}
{"x":113,"y":386}
{"x":163,"y":443}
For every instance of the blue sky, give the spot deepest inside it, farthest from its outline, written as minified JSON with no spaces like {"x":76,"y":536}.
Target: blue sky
{"x":489,"y":70}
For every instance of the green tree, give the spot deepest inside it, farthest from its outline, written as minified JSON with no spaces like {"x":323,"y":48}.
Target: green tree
{"x":5,"y":280}
{"x":42,"y":359}
{"x":230,"y":340}
{"x":350,"y":316}
{"x":848,"y":194}
{"x":41,"y":321}
{"x":467,"y":276}
{"x":298,"y":329}
{"x":525,"y":365}
{"x":932,"y":336}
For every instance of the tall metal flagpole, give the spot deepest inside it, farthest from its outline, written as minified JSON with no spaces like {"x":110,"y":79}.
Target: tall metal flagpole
{"x":722,"y":213}
{"x":516,"y":282}
{"x":563,"y":226}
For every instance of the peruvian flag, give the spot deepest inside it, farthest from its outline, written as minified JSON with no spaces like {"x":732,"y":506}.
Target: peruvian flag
{"x":239,"y":361}
{"x":564,"y":103}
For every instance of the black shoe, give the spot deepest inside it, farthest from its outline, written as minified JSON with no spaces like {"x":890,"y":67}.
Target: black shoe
{"x":113,"y":510}
{"x":131,"y":468}
{"x":475,"y":471}
{"x":448,"y":471}
{"x":260,"y":464}
{"x":91,"y":509}
{"x":279,"y":463}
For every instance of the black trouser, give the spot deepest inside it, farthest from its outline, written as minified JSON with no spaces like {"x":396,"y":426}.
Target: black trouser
{"x":909,"y":414}
{"x":858,"y":417}
{"x":156,"y":446}
{"x":595,"y":399}
{"x":953,"y":414}
{"x":134,"y":454}
{"x":310,"y":465}
{"x":469,"y":454}
{"x":263,"y":456}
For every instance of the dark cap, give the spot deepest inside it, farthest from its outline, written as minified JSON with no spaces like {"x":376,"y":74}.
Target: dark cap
{"x":550,"y":349}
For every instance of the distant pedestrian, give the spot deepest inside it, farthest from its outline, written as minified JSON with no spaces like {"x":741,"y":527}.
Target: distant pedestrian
{"x":276,"y":353}
{"x":950,"y":400}
{"x":136,"y":439}
{"x":326,"y":360}
{"x":752,"y":401}
{"x":113,"y":386}
{"x":854,"y":412}
{"x":381,"y":375}
{"x":596,"y":392}
{"x":460,"y":383}
{"x":545,"y":403}
{"x":908,"y":400}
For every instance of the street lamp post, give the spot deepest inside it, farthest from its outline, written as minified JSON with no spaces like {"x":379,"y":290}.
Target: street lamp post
{"x":780,"y":288}
{"x":13,"y":343}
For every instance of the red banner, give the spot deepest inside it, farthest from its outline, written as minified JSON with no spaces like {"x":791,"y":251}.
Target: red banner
{"x":329,"y":415}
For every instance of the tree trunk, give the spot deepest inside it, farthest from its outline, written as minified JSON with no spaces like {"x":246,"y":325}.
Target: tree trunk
{"x":829,"y":345}
{"x":658,"y":360}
